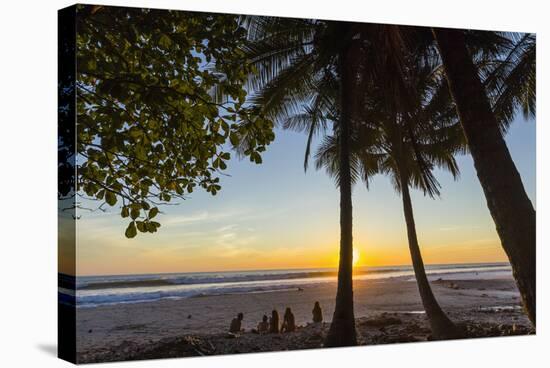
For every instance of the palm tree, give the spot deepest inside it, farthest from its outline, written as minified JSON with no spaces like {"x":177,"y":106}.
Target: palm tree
{"x":296,"y":58}
{"x":513,"y":80}
{"x":342,"y":328}
{"x":410,"y":163}
{"x":406,"y":147}
{"x":418,"y":131}
{"x":508,"y":203}
{"x":301,"y":61}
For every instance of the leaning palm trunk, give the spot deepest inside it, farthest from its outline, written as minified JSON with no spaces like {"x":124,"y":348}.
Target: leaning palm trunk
{"x":442,"y":326}
{"x":342,"y":329}
{"x":510,"y":207}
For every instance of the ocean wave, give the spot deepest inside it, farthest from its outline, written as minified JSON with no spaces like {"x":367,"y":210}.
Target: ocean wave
{"x":159,"y":280}
{"x":147,"y":296}
{"x":125,"y":284}
{"x":103,"y":290}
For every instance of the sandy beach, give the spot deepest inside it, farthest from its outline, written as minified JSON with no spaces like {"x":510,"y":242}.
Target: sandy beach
{"x":387,"y":310}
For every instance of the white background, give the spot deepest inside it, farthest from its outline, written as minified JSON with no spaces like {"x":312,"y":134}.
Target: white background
{"x":28,"y":217}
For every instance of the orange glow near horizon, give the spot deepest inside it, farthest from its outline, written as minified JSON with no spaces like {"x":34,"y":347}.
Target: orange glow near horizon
{"x":237,"y":240}
{"x":168,"y":261}
{"x":356,"y":256}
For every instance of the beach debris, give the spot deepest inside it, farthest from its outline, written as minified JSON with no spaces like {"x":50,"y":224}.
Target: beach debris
{"x":381,"y":328}
{"x":200,"y":345}
{"x":450,"y":284}
{"x":381,"y":321}
{"x":316,"y":338}
{"x":491,"y":330}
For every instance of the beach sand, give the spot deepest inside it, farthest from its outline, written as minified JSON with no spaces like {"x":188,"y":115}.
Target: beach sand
{"x":387,"y":310}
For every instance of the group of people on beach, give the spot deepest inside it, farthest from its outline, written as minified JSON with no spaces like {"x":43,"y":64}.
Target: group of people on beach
{"x":271,"y":325}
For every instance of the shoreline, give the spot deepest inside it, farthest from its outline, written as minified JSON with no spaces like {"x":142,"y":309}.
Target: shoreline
{"x":106,"y":332}
{"x":111,"y":292}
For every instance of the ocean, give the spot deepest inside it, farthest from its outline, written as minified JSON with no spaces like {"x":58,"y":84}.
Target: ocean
{"x":93,"y":291}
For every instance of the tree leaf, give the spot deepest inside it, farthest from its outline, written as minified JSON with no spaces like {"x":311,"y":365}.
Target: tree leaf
{"x":141,"y":226}
{"x":134,"y":213}
{"x":131,"y":230}
{"x":110,"y":198}
{"x":153,"y":212}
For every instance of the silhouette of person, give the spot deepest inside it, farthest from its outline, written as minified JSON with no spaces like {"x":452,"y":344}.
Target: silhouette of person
{"x":274,"y":322}
{"x":288,"y":321}
{"x":263,"y":326}
{"x":236,"y":323}
{"x":317,"y":313}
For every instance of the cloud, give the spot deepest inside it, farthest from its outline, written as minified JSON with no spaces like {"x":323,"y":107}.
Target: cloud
{"x":235,"y":251}
{"x":226,"y":228}
{"x":202,"y":217}
{"x":186,"y":219}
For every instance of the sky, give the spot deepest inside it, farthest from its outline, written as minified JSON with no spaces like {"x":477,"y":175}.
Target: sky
{"x":276,"y":216}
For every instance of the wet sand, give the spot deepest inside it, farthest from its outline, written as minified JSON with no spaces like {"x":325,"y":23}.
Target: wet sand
{"x":491,"y":307}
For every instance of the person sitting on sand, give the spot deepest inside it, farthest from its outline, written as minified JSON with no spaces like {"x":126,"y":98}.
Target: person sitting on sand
{"x":263,"y":326}
{"x":274,"y":322}
{"x":235,"y":326}
{"x":317,"y":313}
{"x":288,"y":321}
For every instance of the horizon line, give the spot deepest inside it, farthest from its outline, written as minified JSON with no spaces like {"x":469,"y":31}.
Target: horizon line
{"x":281,"y":269}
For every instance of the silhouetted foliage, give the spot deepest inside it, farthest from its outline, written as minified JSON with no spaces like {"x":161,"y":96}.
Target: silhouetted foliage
{"x":161,"y":99}
{"x":66,"y":157}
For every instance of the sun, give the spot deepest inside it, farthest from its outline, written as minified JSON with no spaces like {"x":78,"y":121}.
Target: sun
{"x":355,"y":257}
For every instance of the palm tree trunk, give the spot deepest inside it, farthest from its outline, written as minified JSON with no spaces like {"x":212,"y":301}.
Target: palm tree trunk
{"x":342,"y":329}
{"x":510,"y":207}
{"x":442,"y":326}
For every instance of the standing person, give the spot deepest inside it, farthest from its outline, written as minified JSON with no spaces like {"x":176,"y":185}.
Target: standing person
{"x":274,"y":322}
{"x":289,"y":324}
{"x":317,"y":313}
{"x":235,"y":326}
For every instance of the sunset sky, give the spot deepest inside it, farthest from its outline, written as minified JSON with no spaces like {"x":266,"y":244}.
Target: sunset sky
{"x":274,"y":215}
